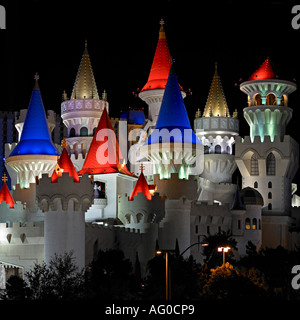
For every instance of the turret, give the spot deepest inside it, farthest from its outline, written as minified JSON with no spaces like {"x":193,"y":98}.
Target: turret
{"x":153,"y":91}
{"x":217,"y":130}
{"x":173,"y":147}
{"x":82,"y":111}
{"x":35,"y":153}
{"x":267,"y":113}
{"x":64,"y":198}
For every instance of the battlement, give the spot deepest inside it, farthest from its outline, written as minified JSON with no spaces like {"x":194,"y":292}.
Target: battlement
{"x":29,"y":233}
{"x":65,"y":189}
{"x":12,"y":215}
{"x":82,"y":105}
{"x":174,"y":188}
{"x":140,"y":209}
{"x":267,"y":139}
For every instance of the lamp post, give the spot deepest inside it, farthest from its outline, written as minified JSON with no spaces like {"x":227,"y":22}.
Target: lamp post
{"x":166,"y":252}
{"x":223,"y":249}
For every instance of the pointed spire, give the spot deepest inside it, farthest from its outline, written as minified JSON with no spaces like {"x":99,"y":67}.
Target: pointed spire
{"x":35,"y":138}
{"x":265,"y":71}
{"x":107,"y":160}
{"x":85,"y":84}
{"x":64,"y":164}
{"x":216,"y":104}
{"x":141,"y":186}
{"x":172,"y":114}
{"x":161,"y":63}
{"x":5,"y":194}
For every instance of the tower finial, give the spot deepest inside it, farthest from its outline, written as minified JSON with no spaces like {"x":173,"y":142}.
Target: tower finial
{"x":142,"y":168}
{"x":4,"y":178}
{"x":36,"y":78}
{"x":85,"y":43}
{"x":64,"y":143}
{"x":162,"y":34}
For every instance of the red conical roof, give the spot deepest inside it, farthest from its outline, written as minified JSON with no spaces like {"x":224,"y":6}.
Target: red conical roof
{"x":104,"y":153}
{"x":161,"y":64}
{"x":5,"y":194}
{"x":64,"y":164}
{"x":141,"y":186}
{"x":265,"y":71}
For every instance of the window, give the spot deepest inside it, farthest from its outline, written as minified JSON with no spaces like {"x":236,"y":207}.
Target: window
{"x":271,"y":165}
{"x":218,"y":149}
{"x":270,"y":206}
{"x":196,"y":229}
{"x":72,"y":132}
{"x":254,"y":165}
{"x":239,"y":224}
{"x":255,"y":184}
{"x":269,"y":184}
{"x":207,"y":229}
{"x":257,"y":100}
{"x":259,"y":224}
{"x":84,"y":132}
{"x":270,"y":195}
{"x":247,"y":224}
{"x":254,"y":224}
{"x":228,"y":151}
{"x":271,"y":99}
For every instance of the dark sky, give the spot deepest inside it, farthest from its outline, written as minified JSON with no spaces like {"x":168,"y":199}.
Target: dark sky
{"x":48,"y":37}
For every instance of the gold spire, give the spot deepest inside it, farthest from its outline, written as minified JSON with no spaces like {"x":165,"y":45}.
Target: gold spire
{"x":162,"y":34}
{"x":64,"y":143}
{"x":85,"y":84}
{"x":216,"y":105}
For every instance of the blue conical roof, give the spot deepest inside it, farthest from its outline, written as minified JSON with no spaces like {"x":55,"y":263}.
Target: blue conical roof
{"x":173,"y":115}
{"x":35,"y":138}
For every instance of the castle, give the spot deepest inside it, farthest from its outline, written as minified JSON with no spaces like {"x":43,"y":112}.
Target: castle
{"x":83,"y":195}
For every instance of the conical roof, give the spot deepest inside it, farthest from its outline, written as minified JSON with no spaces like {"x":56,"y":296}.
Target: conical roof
{"x":64,"y":164}
{"x":85,"y":84}
{"x":35,"y":137}
{"x":161,"y":63}
{"x":216,"y":104}
{"x":173,"y":115}
{"x":5,"y":194}
{"x":141,"y":186}
{"x":265,"y":71}
{"x":104,"y":154}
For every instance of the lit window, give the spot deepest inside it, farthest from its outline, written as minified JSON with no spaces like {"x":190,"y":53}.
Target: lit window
{"x":247,"y":224}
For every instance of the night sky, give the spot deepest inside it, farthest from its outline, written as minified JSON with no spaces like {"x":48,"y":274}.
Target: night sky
{"x":48,"y":37}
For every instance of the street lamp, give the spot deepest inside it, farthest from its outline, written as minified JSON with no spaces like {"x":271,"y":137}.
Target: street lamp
{"x":223,"y":249}
{"x":166,"y":252}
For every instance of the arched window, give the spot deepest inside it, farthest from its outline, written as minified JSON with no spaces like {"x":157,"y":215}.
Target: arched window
{"x":270,"y":195}
{"x":255,"y":184}
{"x":259,"y":224}
{"x":269,"y":184}
{"x":247,"y":224}
{"x":72,"y":133}
{"x":84,"y":132}
{"x":228,"y":151}
{"x":254,"y":165}
{"x":257,"y":100}
{"x":94,"y":130}
{"x":271,"y":99}
{"x":271,"y":165}
{"x":254,"y":224}
{"x":270,"y":206}
{"x":283,"y":101}
{"x":218,"y":149}
{"x":139,"y":217}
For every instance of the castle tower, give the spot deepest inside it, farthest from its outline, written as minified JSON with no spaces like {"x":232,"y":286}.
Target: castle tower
{"x":82,"y":111}
{"x":143,"y":212}
{"x":268,"y":160}
{"x":175,"y":151}
{"x":217,"y":130}
{"x":173,"y":146}
{"x":105,"y":163}
{"x":35,"y":153}
{"x":64,"y":198}
{"x":153,"y":91}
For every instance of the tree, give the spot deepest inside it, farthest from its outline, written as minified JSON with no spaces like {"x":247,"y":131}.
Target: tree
{"x":110,"y":276}
{"x":220,"y":239}
{"x":58,"y":280}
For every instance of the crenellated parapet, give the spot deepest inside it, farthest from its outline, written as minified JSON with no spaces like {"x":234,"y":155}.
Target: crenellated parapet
{"x":65,"y":189}
{"x":140,"y":210}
